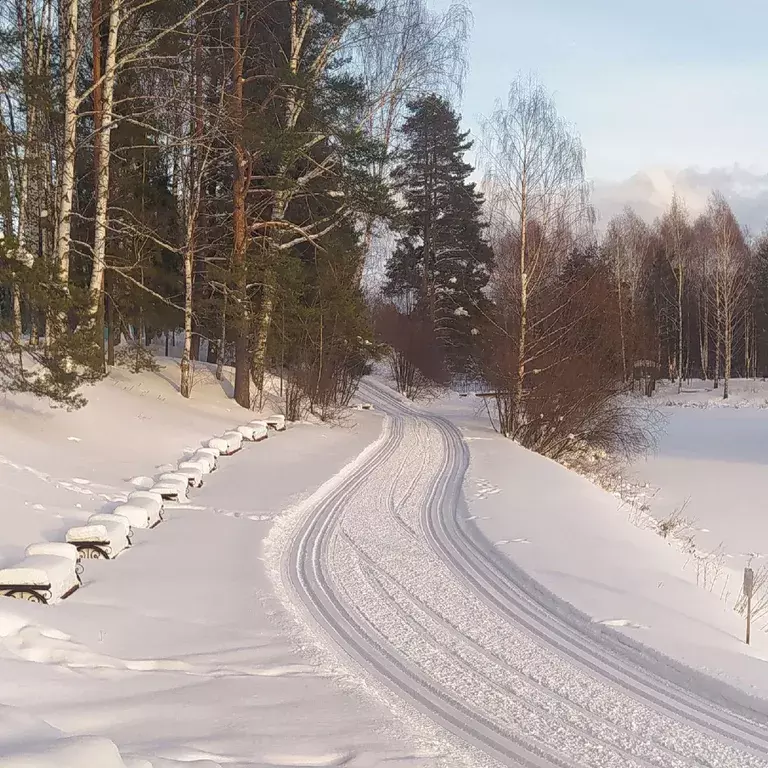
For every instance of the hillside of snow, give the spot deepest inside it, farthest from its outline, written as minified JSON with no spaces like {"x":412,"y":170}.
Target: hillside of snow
{"x":177,"y":652}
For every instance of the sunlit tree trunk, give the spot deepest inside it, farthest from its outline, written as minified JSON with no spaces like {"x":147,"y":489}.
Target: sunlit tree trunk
{"x":68,"y":154}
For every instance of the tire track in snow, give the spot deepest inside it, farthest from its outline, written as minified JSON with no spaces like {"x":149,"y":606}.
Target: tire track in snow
{"x":569,"y":694}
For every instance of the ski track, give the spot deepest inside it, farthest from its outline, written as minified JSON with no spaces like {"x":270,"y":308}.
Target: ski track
{"x":435,"y":613}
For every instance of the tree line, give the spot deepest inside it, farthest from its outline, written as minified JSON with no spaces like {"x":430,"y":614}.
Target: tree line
{"x":229,"y":170}
{"x":550,"y":313}
{"x":220,"y":167}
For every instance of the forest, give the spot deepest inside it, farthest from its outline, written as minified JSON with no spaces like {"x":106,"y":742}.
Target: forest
{"x":286,"y":186}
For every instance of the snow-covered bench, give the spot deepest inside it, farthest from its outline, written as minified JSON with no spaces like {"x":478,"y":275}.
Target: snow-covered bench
{"x":276,"y":422}
{"x":219,"y":444}
{"x":194,"y":469}
{"x":144,"y":509}
{"x":172,"y":487}
{"x":254,"y":431}
{"x":210,"y":455}
{"x":234,"y":440}
{"x":102,"y":537}
{"x":49,"y":572}
{"x":152,"y":501}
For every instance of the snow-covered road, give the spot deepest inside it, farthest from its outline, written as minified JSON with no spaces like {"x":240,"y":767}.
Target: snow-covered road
{"x":387,"y":564}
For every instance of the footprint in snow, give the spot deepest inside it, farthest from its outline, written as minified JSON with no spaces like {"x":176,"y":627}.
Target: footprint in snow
{"x":621,"y":623}
{"x":244,"y":515}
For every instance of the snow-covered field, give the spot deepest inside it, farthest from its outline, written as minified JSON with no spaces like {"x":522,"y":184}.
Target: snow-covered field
{"x":347,"y":596}
{"x":709,"y":474}
{"x":177,"y":651}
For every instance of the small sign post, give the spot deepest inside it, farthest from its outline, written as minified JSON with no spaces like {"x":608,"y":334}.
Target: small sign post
{"x":749,"y":588}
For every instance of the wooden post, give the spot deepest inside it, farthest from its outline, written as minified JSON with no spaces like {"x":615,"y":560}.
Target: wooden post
{"x":749,"y":586}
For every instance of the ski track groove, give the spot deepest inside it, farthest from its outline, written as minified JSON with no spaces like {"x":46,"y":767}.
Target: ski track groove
{"x":518,"y":680}
{"x":437,"y":615}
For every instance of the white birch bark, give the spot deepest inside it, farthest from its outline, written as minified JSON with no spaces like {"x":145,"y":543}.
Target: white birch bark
{"x":102,"y":147}
{"x":69,"y":149}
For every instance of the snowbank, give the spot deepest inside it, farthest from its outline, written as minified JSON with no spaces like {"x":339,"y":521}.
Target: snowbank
{"x":74,"y":752}
{"x":742,"y":393}
{"x":55,"y":576}
{"x":138,"y":516}
{"x":276,"y":422}
{"x":194,"y":471}
{"x":171,"y":490}
{"x":227,"y":687}
{"x":579,"y":543}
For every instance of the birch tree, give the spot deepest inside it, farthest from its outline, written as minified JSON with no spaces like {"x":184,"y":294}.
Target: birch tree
{"x":730,"y":275}
{"x":69,"y":18}
{"x":104,"y":98}
{"x":538,"y":202}
{"x":676,"y":237}
{"x":627,"y":245}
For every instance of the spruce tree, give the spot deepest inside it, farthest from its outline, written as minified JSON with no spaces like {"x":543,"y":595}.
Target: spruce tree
{"x":442,"y":262}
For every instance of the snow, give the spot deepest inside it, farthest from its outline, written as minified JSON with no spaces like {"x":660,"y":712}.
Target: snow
{"x":234,"y":440}
{"x":150,"y":500}
{"x":84,"y":533}
{"x":211,"y":455}
{"x":171,"y":489}
{"x":138,"y":516}
{"x":79,"y":752}
{"x":182,"y":652}
{"x":743,"y":393}
{"x":116,"y":524}
{"x":708,"y":470}
{"x":591,"y":549}
{"x":206,"y":460}
{"x":55,"y":548}
{"x":194,"y":471}
{"x":42,"y":571}
{"x":254,"y":431}
{"x":219,"y":444}
{"x":386,"y":583}
{"x":276,"y":422}
{"x":178,"y":651}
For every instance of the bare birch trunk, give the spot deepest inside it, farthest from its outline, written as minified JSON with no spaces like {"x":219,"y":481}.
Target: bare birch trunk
{"x":186,"y":355}
{"x":719,"y":333}
{"x":69,"y":150}
{"x":222,"y":341}
{"x":193,"y":210}
{"x":521,"y":335}
{"x":680,"y":328}
{"x":621,"y":324}
{"x":101,"y":153}
{"x":728,"y":344}
{"x":704,"y":338}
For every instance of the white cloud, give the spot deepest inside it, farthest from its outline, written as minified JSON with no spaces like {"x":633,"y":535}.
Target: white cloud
{"x":650,"y":191}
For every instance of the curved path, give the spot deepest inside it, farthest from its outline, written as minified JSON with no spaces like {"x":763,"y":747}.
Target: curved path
{"x":401,"y":582}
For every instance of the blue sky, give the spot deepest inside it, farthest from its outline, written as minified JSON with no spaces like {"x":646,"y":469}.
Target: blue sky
{"x":648,"y":84}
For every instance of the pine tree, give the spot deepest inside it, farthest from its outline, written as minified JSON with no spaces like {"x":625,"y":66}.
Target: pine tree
{"x":442,"y":262}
